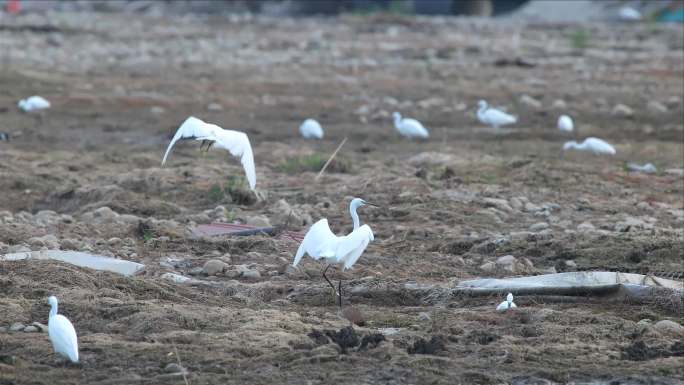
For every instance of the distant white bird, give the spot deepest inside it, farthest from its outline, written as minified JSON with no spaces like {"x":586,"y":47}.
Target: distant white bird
{"x":237,"y":143}
{"x":409,"y":128}
{"x":492,"y":116}
{"x":594,"y":145}
{"x":33,"y":103}
{"x":628,"y":13}
{"x":62,"y":333}
{"x":311,"y":129}
{"x":507,"y":304}
{"x":647,"y":168}
{"x":565,"y":123}
{"x":320,"y":243}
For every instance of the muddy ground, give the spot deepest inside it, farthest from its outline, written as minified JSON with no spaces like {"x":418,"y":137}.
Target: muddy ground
{"x":85,"y":175}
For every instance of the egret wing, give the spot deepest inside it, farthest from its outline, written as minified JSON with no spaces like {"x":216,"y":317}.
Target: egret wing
{"x":499,"y":117}
{"x":351,"y":246}
{"x":318,"y":242}
{"x":192,"y":128}
{"x":63,"y":336}
{"x":237,"y":143}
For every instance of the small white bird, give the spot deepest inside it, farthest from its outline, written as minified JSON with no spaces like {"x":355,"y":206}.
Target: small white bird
{"x":594,"y":145}
{"x":507,"y":304}
{"x":33,"y":103}
{"x":237,"y":143}
{"x":320,"y":243}
{"x":62,"y":333}
{"x":311,"y":129}
{"x":565,"y":123}
{"x":409,"y":128}
{"x":492,"y":116}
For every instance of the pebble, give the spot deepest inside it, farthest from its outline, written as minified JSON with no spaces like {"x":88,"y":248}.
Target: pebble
{"x":40,"y":326}
{"x":214,"y":266}
{"x":529,"y":101}
{"x":156,"y":110}
{"x":539,"y":227}
{"x":251,"y":274}
{"x":622,"y":110}
{"x":17,"y":326}
{"x":423,"y":316}
{"x":675,"y":171}
{"x":488,"y":266}
{"x":214,"y":107}
{"x":259,"y":221}
{"x":669,"y":327}
{"x":18,"y":249}
{"x":173,"y":368}
{"x":586,"y":226}
{"x":656,"y":107}
{"x":570,"y":264}
{"x":30,"y":329}
{"x":559,"y":104}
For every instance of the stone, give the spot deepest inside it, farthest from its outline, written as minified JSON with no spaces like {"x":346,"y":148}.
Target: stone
{"x":570,"y":264}
{"x":174,"y":368}
{"x":656,"y":107}
{"x":40,"y":326}
{"x":423,"y":316}
{"x":679,"y":172}
{"x":488,"y":266}
{"x":537,"y":227}
{"x":585,"y":227}
{"x":516,"y":203}
{"x":17,"y":326}
{"x":500,"y":204}
{"x":251,"y":274}
{"x":114,"y":242}
{"x":214,"y":107}
{"x":622,"y":111}
{"x":157,"y":110}
{"x":669,"y":327}
{"x":214,"y":267}
{"x":559,"y":104}
{"x":196,"y":271}
{"x":31,"y":329}
{"x":531,"y":207}
{"x":531,"y":102}
{"x":259,"y":221}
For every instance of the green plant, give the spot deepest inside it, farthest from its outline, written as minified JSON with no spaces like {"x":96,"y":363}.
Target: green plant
{"x":313,"y":162}
{"x":215,"y":193}
{"x":579,"y":39}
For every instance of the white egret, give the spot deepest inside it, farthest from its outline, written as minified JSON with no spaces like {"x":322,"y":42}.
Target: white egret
{"x":507,"y":304}
{"x":565,"y":123}
{"x":62,"y":333}
{"x":237,"y":143}
{"x":311,"y":129}
{"x":628,"y":13}
{"x":409,"y":128}
{"x":33,"y":103}
{"x":594,"y":145}
{"x":320,"y":243}
{"x":492,"y":116}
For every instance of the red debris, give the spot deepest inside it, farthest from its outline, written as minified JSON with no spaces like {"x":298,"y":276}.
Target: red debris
{"x":13,"y":7}
{"x":214,"y":229}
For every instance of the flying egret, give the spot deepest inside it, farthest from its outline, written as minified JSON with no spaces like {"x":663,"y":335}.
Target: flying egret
{"x":507,"y":304}
{"x":493,"y":117}
{"x":311,"y":129}
{"x":320,"y":243}
{"x":62,"y":333}
{"x":565,"y":123}
{"x":237,"y":143}
{"x":595,"y":145}
{"x":33,"y":103}
{"x":409,"y":128}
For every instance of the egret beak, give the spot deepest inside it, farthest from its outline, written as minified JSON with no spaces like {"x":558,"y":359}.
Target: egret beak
{"x":372,"y":204}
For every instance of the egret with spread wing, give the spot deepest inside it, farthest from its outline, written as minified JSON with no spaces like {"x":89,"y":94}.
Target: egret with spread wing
{"x":492,"y":116}
{"x":507,"y":304}
{"x":594,"y":145}
{"x":320,"y":243}
{"x":237,"y":143}
{"x":62,"y":333}
{"x":409,"y":128}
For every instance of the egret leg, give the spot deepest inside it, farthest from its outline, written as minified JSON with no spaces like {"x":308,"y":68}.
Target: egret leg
{"x":330,"y":283}
{"x":339,"y":292}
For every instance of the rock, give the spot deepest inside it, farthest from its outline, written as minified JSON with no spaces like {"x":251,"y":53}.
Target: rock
{"x":675,"y":171}
{"x":559,"y":104}
{"x":669,"y":327}
{"x":537,"y":227}
{"x":196,"y":271}
{"x":656,"y":107}
{"x":517,"y":203}
{"x":508,"y":263}
{"x":40,"y":326}
{"x":531,"y":207}
{"x":259,"y":221}
{"x":17,"y":326}
{"x":174,"y":368}
{"x":70,"y":244}
{"x":632,"y":223}
{"x":214,"y":107}
{"x":3,"y":329}
{"x":585,"y":227}
{"x":500,"y":204}
{"x":30,"y":329}
{"x":520,"y":235}
{"x":529,"y":101}
{"x":622,"y":111}
{"x":49,"y":241}
{"x":157,"y":110}
{"x":570,"y":264}
{"x":488,"y":267}
{"x":643,"y":325}
{"x":284,"y":213}
{"x":214,"y":267}
{"x":423,"y":316}
{"x":114,"y":242}
{"x":251,"y":274}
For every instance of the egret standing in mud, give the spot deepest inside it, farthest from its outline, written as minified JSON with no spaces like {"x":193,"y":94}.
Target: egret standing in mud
{"x":492,"y":116}
{"x":311,"y":129}
{"x":594,"y":145}
{"x":507,"y":304}
{"x":237,"y":143}
{"x":62,"y":333}
{"x":320,"y":243}
{"x":409,"y":128}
